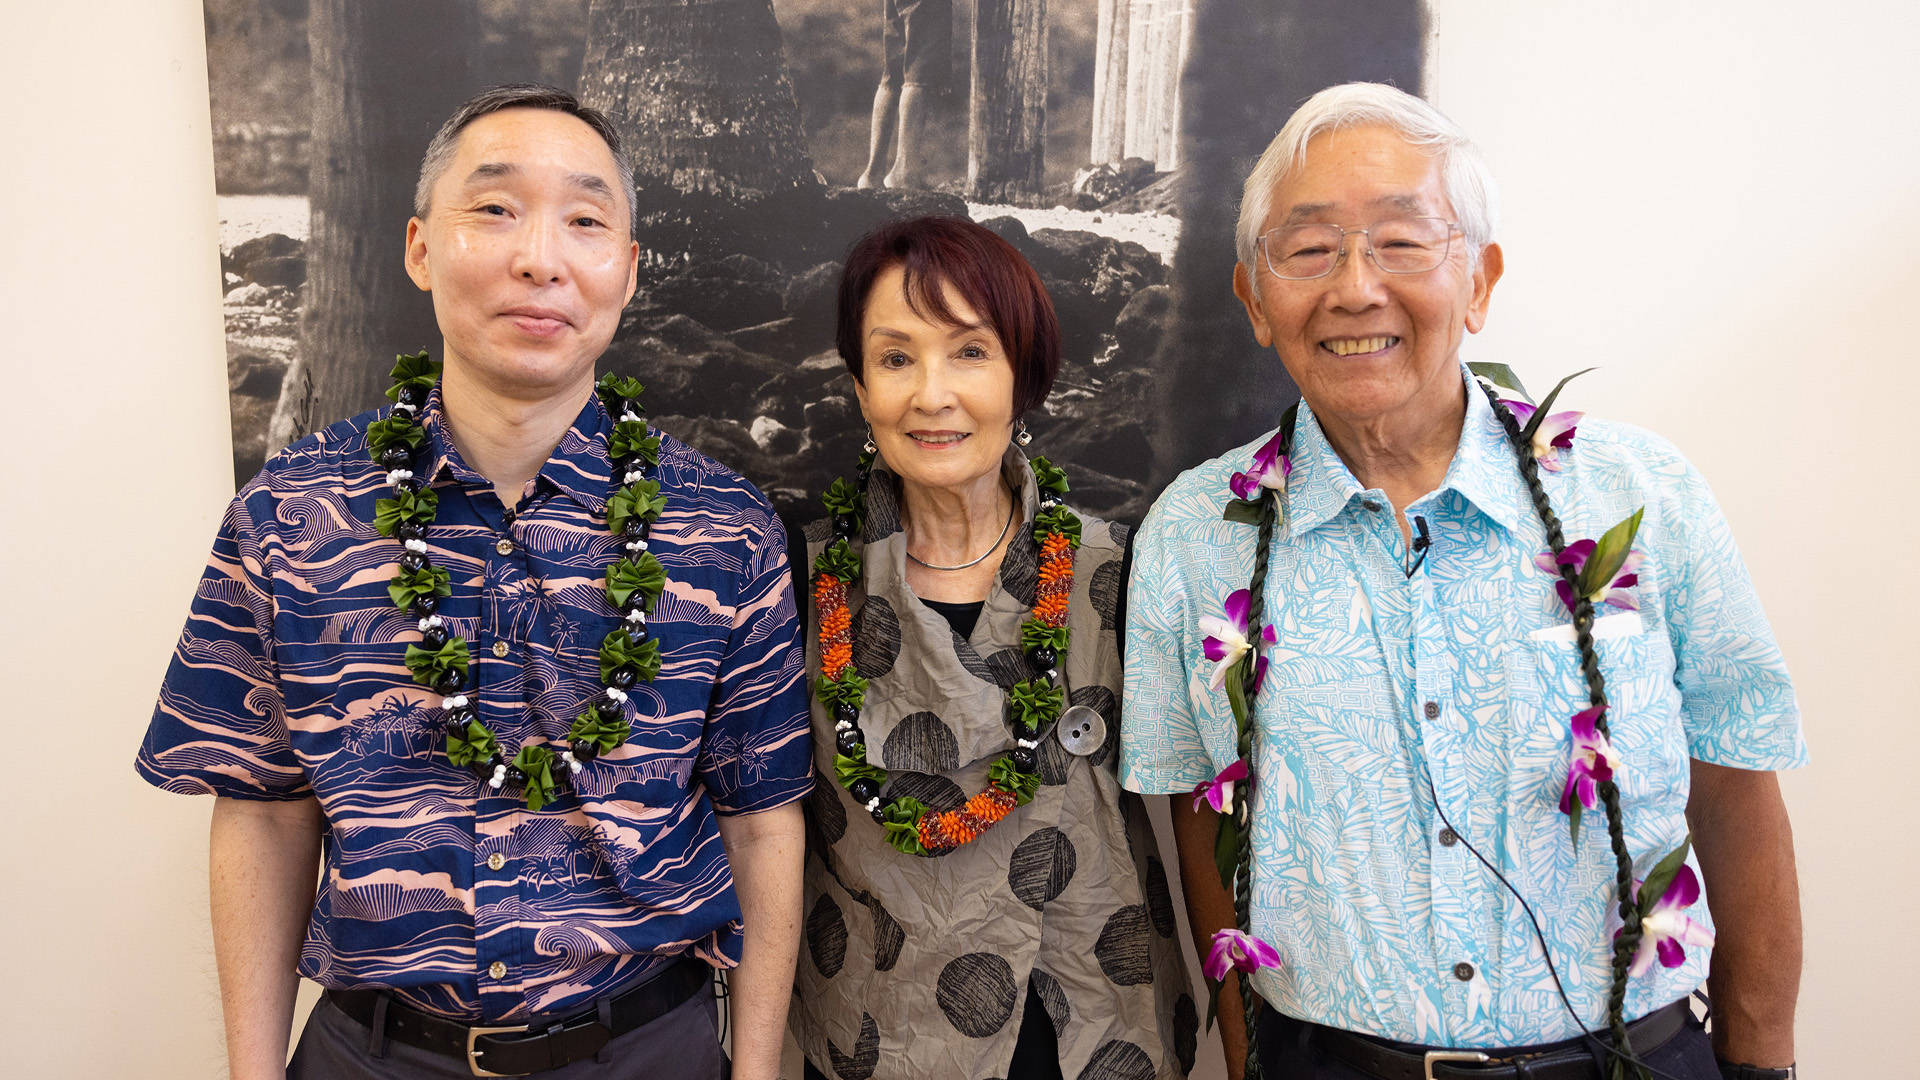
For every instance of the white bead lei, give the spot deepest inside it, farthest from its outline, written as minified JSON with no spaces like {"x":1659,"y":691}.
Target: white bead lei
{"x":629,"y":417}
{"x":573,"y":763}
{"x":398,"y":475}
{"x":636,"y":545}
{"x":873,"y":804}
{"x":617,"y":694}
{"x":635,"y":476}
{"x":499,"y":777}
{"x":457,"y":701}
{"x":1027,"y":744}
{"x":417,"y":545}
{"x":637,"y":617}
{"x":401,"y":406}
{"x":430,"y":622}
{"x":842,"y":725}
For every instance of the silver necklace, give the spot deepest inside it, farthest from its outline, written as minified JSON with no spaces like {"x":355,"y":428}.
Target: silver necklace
{"x":1012,"y":505}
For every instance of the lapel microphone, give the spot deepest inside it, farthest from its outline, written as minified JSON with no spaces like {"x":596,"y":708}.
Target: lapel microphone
{"x":1420,"y":545}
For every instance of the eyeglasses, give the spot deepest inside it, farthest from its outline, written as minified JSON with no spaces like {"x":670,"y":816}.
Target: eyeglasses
{"x":1411,"y":245}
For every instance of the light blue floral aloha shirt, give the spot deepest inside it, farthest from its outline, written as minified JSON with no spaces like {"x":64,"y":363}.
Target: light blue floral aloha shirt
{"x":1465,"y":671}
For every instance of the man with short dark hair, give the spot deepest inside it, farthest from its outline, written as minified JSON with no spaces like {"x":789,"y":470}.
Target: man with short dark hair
{"x":524,"y":670}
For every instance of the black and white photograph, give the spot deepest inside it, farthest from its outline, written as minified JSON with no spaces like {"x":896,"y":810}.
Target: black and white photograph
{"x":1103,"y":138}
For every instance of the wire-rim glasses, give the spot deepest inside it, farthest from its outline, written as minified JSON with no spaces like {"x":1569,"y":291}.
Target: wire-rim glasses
{"x":1410,"y":245}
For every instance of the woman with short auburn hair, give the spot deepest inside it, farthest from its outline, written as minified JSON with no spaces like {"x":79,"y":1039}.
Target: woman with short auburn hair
{"x":982,"y":898}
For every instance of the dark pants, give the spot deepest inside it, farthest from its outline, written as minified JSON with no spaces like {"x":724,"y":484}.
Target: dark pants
{"x":683,"y":1044}
{"x":1286,"y":1054}
{"x":1036,"y":1051}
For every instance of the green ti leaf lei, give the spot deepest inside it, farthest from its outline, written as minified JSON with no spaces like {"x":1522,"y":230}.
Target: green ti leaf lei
{"x":470,"y":743}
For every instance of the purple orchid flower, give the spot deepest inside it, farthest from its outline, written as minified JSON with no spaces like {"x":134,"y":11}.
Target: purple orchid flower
{"x":1227,"y":640}
{"x":1218,"y":792}
{"x":1235,"y":951}
{"x":1613,"y":592}
{"x":1666,"y":930}
{"x":1594,"y":760}
{"x":1270,"y":470}
{"x":1554,"y":434}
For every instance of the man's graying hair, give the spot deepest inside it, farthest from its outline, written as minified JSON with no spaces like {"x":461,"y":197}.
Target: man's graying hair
{"x":517,"y":96}
{"x":1463,"y":172}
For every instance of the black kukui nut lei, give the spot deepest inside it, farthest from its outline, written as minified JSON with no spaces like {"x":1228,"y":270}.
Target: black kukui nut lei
{"x":393,"y":443}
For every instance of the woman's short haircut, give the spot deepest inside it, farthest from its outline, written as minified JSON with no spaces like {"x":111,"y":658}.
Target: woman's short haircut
{"x":1463,"y":172}
{"x":983,"y":270}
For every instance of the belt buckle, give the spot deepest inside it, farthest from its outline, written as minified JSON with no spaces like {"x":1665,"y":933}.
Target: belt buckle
{"x":473,"y":1055}
{"x":1434,"y":1057}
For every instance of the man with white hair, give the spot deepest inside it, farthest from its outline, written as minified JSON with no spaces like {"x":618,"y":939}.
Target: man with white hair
{"x":1451,"y":675}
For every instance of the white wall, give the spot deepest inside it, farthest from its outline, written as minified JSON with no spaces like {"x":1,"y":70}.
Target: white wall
{"x":1713,"y":200}
{"x":1716,"y":203}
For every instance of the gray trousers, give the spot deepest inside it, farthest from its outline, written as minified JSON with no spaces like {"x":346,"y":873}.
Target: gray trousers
{"x":683,"y":1044}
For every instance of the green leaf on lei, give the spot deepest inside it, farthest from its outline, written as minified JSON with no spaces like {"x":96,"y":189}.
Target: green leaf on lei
{"x":843,"y":497}
{"x":1004,"y":775}
{"x":838,"y":561}
{"x":1239,"y":678}
{"x":640,"y":499}
{"x":903,"y":824}
{"x":1060,"y":520}
{"x":618,"y":651}
{"x":408,"y":585}
{"x":1609,"y":554}
{"x":470,"y":745}
{"x":537,"y":763}
{"x":412,"y":369}
{"x":1034,"y":633}
{"x":1660,"y":878}
{"x":1226,"y":850}
{"x":849,"y":687}
{"x":1540,"y":414}
{"x":1035,"y":704}
{"x":1242,"y":511}
{"x":849,"y":769}
{"x":621,"y":386}
{"x":428,"y":665}
{"x":1048,"y":476}
{"x":1502,"y":378}
{"x":643,"y":575}
{"x":1213,"y":999}
{"x":630,"y":438}
{"x":392,"y":431}
{"x":603,"y":734}
{"x":416,"y":506}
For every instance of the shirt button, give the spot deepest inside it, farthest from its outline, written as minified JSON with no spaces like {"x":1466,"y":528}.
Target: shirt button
{"x":500,"y":649}
{"x":498,"y":969}
{"x":504,"y":547}
{"x":1371,"y":505}
{"x":496,"y":860}
{"x":1462,"y":971}
{"x":1448,"y":838}
{"x":1433,"y":707}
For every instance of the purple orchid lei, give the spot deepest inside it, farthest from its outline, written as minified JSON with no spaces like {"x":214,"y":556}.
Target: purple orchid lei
{"x":1590,"y":574}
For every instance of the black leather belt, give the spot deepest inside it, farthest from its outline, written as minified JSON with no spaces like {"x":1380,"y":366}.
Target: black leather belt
{"x":1569,"y":1060}
{"x":507,"y":1050}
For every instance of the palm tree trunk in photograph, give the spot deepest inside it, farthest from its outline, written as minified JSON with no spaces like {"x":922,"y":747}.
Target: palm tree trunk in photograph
{"x":699,"y":91}
{"x":385,"y":77}
{"x":1007,"y":117}
{"x":1252,"y":62}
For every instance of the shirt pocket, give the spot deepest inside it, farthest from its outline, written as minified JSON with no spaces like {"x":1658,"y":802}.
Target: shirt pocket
{"x":1549,"y":685}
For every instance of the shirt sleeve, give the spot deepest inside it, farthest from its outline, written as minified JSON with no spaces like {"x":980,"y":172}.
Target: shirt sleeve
{"x":757,"y":753}
{"x":220,"y":726}
{"x":1739,"y":706}
{"x":1161,"y":749}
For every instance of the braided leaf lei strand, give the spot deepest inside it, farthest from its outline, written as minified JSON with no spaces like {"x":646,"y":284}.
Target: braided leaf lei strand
{"x":441,"y":660}
{"x":1033,"y":704}
{"x":1590,"y":572}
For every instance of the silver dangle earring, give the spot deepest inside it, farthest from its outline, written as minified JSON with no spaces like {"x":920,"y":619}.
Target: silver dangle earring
{"x":869,"y":447}
{"x":1021,"y":436}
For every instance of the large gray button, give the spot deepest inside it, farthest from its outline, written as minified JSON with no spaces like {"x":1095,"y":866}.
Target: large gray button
{"x":1082,"y":730}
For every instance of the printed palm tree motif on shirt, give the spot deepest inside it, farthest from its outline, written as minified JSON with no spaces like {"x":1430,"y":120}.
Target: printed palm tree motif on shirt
{"x":396,"y":727}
